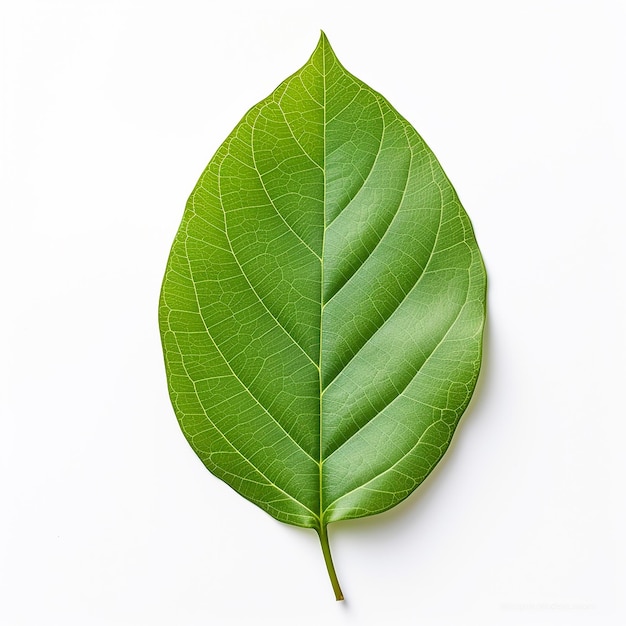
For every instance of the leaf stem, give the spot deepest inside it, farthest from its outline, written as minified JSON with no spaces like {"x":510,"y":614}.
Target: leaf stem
{"x":323,"y":535}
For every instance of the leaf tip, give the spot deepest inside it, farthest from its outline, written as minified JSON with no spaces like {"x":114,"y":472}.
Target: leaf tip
{"x":323,"y":42}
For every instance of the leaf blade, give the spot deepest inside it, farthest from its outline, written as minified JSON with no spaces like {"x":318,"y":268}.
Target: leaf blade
{"x":323,"y":304}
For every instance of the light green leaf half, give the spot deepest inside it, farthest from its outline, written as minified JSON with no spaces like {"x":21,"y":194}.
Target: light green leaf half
{"x":323,"y":304}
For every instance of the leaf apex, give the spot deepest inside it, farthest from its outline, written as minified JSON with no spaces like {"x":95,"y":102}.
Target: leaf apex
{"x":323,"y":43}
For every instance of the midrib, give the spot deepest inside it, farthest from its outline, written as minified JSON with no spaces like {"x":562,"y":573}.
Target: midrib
{"x":321,"y":422}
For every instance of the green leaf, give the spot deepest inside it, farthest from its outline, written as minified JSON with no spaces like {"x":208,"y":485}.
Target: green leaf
{"x":323,"y":305}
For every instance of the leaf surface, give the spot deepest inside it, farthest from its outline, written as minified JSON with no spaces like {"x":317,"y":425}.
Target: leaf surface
{"x":323,"y":304}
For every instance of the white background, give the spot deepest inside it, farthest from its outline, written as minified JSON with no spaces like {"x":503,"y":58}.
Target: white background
{"x":110,"y":110}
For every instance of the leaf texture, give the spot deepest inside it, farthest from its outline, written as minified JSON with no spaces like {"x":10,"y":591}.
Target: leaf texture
{"x":323,"y":304}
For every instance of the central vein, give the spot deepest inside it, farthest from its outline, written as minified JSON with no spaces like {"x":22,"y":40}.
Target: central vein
{"x":321,"y":503}
{"x":321,"y":530}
